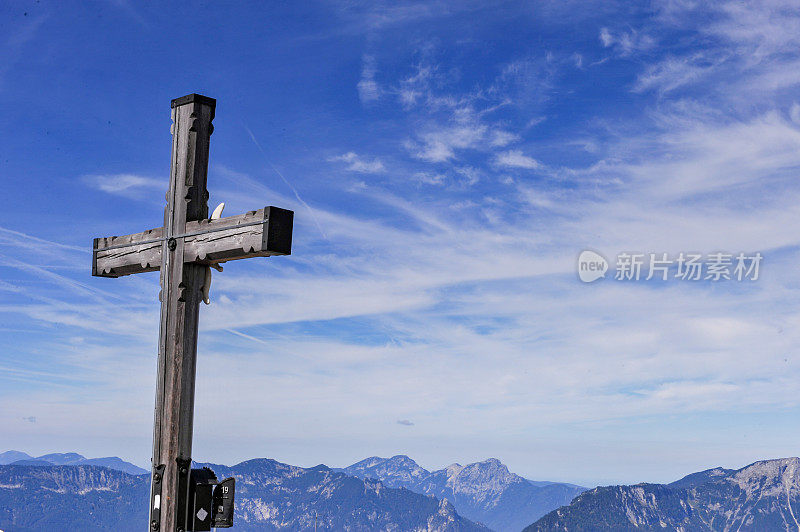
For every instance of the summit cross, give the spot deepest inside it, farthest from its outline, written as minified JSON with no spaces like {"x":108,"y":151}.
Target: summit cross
{"x":183,"y":250}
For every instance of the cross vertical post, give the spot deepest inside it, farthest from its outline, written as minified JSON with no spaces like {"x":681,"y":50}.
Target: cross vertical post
{"x":181,"y":285}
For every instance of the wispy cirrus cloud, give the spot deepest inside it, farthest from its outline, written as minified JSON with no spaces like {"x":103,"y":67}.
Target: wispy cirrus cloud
{"x":128,"y":185}
{"x":454,"y":125}
{"x":676,"y":72}
{"x":430,"y":178}
{"x":747,"y":49}
{"x":355,"y":163}
{"x":516,"y":159}
{"x":442,"y":142}
{"x":626,"y":42}
{"x":368,"y":89}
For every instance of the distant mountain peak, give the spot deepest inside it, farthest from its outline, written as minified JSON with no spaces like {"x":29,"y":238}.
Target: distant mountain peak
{"x":402,"y":469}
{"x":494,"y":468}
{"x":62,"y":458}
{"x":453,"y":470}
{"x":759,"y":496}
{"x":781,"y":473}
{"x":401,"y":458}
{"x":8,"y":457}
{"x":484,"y":491}
{"x":70,"y":459}
{"x":484,"y":482}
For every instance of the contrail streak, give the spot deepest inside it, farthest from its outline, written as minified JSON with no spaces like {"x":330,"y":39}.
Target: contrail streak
{"x":24,"y":240}
{"x":296,"y":195}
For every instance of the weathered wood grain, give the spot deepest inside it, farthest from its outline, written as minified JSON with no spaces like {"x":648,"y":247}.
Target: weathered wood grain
{"x":262,"y":233}
{"x":181,"y":286}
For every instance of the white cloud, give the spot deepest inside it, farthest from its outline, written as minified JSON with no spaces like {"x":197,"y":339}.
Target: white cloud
{"x":516,"y":159}
{"x":129,"y":185}
{"x":606,"y":38}
{"x":794,"y":113}
{"x":535,"y":121}
{"x":500,"y":138}
{"x":455,"y":122}
{"x":700,"y":156}
{"x":368,"y":90}
{"x":430,"y":178}
{"x":440,"y":144}
{"x":674,"y":72}
{"x":469,"y":174}
{"x":357,"y":164}
{"x":626,"y":42}
{"x":416,"y":87}
{"x":762,"y":30}
{"x":466,"y":131}
{"x":745,"y":51}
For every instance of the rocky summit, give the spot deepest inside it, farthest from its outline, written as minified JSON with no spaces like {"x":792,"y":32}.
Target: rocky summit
{"x":486,"y":492}
{"x":764,"y":496}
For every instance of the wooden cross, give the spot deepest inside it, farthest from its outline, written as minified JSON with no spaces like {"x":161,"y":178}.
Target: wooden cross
{"x":183,"y":250}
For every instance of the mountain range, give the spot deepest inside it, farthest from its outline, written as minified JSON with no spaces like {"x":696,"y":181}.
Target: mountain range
{"x":485,"y":492}
{"x":275,"y":496}
{"x":270,"y":496}
{"x":397,"y":494}
{"x":111,"y":462}
{"x":74,"y":497}
{"x":764,"y":496}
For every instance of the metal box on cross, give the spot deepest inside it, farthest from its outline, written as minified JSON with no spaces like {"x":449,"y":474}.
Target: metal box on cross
{"x":201,"y":489}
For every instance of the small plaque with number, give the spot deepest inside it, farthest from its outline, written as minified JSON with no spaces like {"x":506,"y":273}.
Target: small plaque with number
{"x":222,"y":508}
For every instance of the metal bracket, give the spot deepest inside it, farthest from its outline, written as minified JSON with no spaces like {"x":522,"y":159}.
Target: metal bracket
{"x":155,"y":497}
{"x":181,"y":506}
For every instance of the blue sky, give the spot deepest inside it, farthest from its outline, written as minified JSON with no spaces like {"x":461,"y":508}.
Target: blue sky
{"x":446,"y":162}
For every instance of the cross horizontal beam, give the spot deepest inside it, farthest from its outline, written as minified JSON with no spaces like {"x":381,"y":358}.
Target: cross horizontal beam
{"x":260,"y":233}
